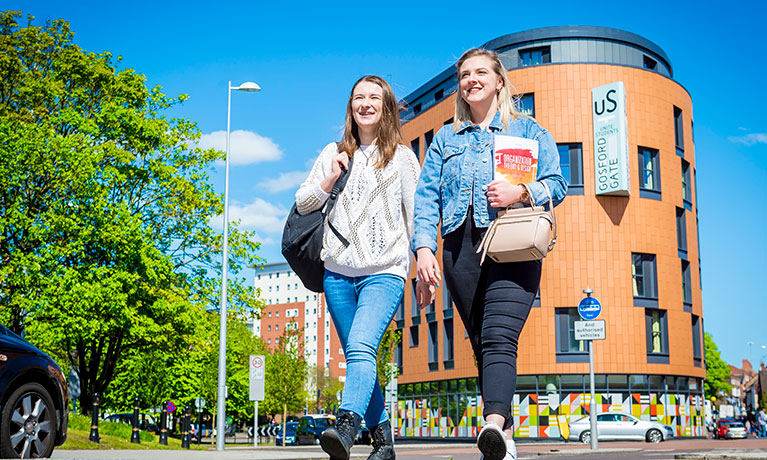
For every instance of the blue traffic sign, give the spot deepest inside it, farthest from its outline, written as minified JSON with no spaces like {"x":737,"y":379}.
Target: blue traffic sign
{"x":589,"y":308}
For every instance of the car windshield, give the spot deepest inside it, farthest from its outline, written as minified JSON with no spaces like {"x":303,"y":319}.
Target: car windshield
{"x":736,"y":425}
{"x":321,"y":423}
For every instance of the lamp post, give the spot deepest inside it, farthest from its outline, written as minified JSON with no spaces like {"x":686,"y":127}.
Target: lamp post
{"x":221,"y":411}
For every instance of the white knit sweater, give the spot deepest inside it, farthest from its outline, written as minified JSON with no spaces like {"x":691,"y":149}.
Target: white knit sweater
{"x":374,"y":212}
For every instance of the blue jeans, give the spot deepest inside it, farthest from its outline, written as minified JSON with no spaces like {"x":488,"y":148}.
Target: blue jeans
{"x":362,"y":308}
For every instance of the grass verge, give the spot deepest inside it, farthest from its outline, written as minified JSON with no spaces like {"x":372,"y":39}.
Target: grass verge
{"x":113,"y":436}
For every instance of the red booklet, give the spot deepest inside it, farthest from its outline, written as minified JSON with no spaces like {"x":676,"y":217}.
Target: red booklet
{"x":516,"y":159}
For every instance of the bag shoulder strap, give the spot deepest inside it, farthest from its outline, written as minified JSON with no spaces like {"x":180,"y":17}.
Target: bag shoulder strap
{"x":338,"y":187}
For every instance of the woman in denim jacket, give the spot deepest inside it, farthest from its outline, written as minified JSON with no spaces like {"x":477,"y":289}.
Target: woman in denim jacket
{"x":364,"y":279}
{"x":456,"y":186}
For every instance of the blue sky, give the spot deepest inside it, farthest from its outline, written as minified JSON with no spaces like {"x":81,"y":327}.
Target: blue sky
{"x":306,"y":56}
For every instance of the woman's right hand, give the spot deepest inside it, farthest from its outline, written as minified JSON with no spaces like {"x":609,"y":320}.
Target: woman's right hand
{"x":424,"y":294}
{"x":339,"y":160}
{"x":427,"y":267}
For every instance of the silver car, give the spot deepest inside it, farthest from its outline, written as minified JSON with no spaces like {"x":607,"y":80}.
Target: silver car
{"x":615,"y":426}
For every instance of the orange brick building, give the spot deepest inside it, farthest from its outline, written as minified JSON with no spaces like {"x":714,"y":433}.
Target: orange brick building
{"x":639,"y":252}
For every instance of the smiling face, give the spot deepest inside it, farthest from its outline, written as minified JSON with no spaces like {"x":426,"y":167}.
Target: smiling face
{"x":478,"y":82}
{"x":367,"y":105}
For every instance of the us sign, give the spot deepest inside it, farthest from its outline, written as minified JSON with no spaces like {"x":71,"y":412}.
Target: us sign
{"x":611,"y":158}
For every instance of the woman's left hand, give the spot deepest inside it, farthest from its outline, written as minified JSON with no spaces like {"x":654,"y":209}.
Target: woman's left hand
{"x":502,"y":193}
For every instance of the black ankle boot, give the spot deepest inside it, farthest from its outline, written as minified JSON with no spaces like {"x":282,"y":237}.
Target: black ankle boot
{"x":383,"y":443}
{"x":338,"y":441}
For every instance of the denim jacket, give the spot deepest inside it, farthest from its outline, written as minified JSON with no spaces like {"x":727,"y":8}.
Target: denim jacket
{"x":459,"y":165}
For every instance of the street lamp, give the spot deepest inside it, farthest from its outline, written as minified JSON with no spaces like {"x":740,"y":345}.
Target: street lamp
{"x":221,"y":411}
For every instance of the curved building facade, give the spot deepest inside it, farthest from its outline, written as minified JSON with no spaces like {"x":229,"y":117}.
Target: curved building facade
{"x":627,"y":230}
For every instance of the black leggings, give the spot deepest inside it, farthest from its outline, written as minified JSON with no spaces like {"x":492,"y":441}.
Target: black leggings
{"x":493,"y":301}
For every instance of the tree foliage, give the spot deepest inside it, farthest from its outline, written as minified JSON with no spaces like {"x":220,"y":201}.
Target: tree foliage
{"x":384,"y":362}
{"x":286,"y":375}
{"x":717,"y":371}
{"x":107,"y":258}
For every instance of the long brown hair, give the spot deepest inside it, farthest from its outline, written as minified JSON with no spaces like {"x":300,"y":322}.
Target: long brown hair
{"x":388,"y":134}
{"x":507,"y":106}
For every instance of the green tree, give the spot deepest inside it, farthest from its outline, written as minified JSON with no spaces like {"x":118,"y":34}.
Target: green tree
{"x":385,"y":358}
{"x":286,"y":375}
{"x":717,"y":371}
{"x":326,"y":386}
{"x":106,"y":253}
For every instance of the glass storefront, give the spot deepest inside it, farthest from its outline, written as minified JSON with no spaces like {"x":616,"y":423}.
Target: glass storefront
{"x":453,"y":408}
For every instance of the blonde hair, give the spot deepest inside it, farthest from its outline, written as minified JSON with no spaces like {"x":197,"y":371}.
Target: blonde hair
{"x":388,"y":135}
{"x":507,"y":105}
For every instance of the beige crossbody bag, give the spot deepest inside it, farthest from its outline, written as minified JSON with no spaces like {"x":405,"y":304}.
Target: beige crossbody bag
{"x":520,"y":234}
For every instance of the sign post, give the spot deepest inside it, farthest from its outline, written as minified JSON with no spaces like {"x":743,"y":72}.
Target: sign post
{"x":589,"y":308}
{"x":257,"y":374}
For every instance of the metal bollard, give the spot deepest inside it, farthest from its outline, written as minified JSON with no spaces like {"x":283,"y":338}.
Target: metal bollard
{"x":164,"y":424}
{"x":94,"y":436}
{"x":185,"y":424}
{"x":135,"y":437}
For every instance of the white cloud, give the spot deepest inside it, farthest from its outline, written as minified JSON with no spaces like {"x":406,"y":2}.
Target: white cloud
{"x":260,"y":215}
{"x":750,"y":139}
{"x":246,"y":147}
{"x":285,"y":181}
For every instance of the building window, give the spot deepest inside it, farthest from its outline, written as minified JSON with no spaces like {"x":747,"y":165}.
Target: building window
{"x":678,"y":131}
{"x":399,"y":316}
{"x":269,"y":341}
{"x":686,"y":186}
{"x":417,"y":108}
{"x":645,"y":281}
{"x":415,"y":313}
{"x":288,"y":287}
{"x":413,"y":336}
{"x":276,"y":327}
{"x":439,"y":94}
{"x":657,"y":336}
{"x":535,"y":56}
{"x":269,"y":328}
{"x":526,"y":104}
{"x":398,"y":355}
{"x":427,"y":137}
{"x":681,"y":232}
{"x":686,"y":286}
{"x":696,"y":349}
{"x":569,"y":350}
{"x":277,"y":288}
{"x":447,"y":344}
{"x":650,"y":63}
{"x":277,"y":275}
{"x":259,"y":277}
{"x":277,"y":314}
{"x":571,"y":164}
{"x":447,"y":303}
{"x":649,"y":173}
{"x":433,"y":347}
{"x":415,"y":146}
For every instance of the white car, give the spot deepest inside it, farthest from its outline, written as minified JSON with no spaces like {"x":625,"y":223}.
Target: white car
{"x":616,"y":426}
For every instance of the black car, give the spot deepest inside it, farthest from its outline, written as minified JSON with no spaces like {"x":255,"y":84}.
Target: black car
{"x":34,"y":400}
{"x":310,"y":428}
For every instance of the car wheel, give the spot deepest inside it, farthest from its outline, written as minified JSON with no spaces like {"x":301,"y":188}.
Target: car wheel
{"x":585,"y":437}
{"x":28,"y":423}
{"x":654,"y":436}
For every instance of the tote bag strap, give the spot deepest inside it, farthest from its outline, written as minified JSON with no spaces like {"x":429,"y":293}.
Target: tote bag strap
{"x":551,"y":211}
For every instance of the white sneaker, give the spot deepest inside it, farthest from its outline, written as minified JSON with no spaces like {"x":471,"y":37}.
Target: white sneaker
{"x":492,"y":442}
{"x":511,"y":451}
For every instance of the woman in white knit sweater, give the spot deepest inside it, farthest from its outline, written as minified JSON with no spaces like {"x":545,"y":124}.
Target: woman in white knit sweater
{"x":364,"y":280}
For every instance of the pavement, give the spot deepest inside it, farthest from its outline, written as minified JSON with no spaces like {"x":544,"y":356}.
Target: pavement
{"x":695,"y":449}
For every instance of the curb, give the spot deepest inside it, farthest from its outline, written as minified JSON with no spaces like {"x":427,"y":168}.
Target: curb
{"x":566,"y":452}
{"x":724,"y":456}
